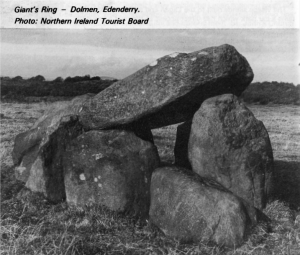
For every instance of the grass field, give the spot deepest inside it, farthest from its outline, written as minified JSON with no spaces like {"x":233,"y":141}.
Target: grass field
{"x":31,"y":225}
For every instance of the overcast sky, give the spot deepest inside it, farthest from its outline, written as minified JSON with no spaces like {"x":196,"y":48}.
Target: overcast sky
{"x":272,"y":53}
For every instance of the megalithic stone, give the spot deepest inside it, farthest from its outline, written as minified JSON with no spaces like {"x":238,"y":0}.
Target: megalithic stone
{"x":37,"y":152}
{"x":170,"y":90}
{"x":228,"y":144}
{"x":111,"y":168}
{"x":195,"y":209}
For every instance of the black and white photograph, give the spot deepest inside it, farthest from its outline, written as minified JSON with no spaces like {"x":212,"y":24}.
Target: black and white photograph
{"x":164,"y":127}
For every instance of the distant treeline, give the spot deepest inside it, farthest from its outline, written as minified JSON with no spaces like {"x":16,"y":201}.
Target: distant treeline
{"x":272,"y":93}
{"x":19,"y":88}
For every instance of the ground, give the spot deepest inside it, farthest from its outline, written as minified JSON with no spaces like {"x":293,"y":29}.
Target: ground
{"x":31,"y":225}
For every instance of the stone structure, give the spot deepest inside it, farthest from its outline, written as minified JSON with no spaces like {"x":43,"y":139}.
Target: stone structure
{"x":99,"y":149}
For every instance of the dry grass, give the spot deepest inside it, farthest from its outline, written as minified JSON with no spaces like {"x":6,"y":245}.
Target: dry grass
{"x":30,"y":225}
{"x":283,"y":125}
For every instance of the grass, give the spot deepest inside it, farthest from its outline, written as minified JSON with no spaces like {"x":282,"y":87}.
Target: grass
{"x":283,"y":125}
{"x":31,"y":225}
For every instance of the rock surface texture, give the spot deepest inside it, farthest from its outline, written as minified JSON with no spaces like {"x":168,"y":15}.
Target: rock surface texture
{"x":169,"y":90}
{"x":111,"y":168}
{"x":191,"y":208}
{"x":227,"y":143}
{"x":37,"y":152}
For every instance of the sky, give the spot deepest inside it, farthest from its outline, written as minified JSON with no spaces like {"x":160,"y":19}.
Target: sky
{"x":272,"y":53}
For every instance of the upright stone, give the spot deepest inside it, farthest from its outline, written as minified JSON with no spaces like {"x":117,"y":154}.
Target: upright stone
{"x":170,"y":90}
{"x":111,"y":168}
{"x":37,"y":152}
{"x":194,"y":209}
{"x":227,"y":143}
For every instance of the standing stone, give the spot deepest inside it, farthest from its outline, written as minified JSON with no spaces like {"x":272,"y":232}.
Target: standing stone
{"x":112,"y":168}
{"x":227,"y":143}
{"x":170,"y":90}
{"x":194,"y":209}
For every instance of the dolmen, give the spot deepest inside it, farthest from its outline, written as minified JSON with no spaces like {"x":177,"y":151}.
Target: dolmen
{"x":99,"y":149}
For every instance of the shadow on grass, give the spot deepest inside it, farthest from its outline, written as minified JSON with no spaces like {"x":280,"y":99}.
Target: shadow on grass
{"x":287,"y":182}
{"x":10,"y":186}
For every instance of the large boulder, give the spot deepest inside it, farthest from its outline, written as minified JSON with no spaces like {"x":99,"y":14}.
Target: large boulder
{"x":111,"y":168}
{"x":170,"y":90}
{"x":194,"y":209}
{"x":37,"y":152}
{"x":227,"y":143}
